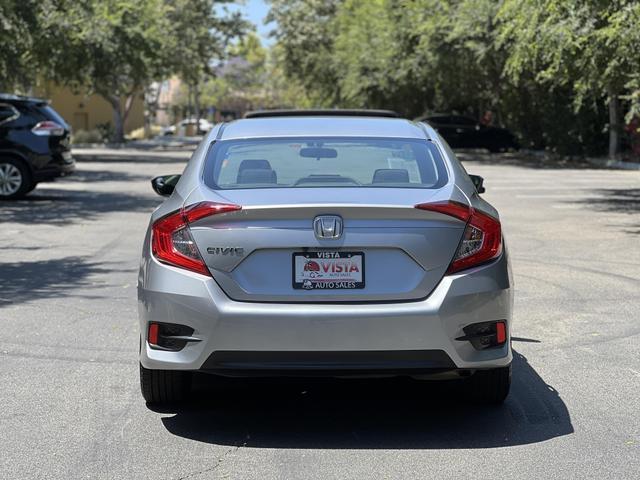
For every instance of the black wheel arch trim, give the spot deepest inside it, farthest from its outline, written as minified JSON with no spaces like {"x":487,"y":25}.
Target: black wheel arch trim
{"x":18,"y":156}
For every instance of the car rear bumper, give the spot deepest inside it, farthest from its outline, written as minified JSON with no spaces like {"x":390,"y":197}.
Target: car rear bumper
{"x":243,"y":338}
{"x":59,"y":167}
{"x":327,"y":363}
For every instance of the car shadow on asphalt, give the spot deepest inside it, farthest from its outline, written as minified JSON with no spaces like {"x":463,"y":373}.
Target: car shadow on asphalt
{"x":616,"y":200}
{"x":527,"y":160}
{"x":83,"y":175}
{"x":53,"y":206}
{"x":369,"y":414}
{"x":152,"y":157}
{"x":24,"y":281}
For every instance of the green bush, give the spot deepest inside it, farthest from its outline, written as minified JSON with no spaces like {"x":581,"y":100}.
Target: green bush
{"x":87,"y":136}
{"x":138,"y":133}
{"x":106,"y":131}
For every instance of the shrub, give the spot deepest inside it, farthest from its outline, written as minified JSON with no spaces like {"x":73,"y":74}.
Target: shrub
{"x":138,"y":133}
{"x":87,"y":136}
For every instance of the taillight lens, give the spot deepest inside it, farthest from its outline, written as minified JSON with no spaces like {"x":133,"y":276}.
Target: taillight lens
{"x":48,"y":128}
{"x":171,"y":240}
{"x":451,"y":208}
{"x":481,"y":242}
{"x":482,"y":238}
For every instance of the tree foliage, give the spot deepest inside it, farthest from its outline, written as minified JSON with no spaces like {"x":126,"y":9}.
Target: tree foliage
{"x":547,"y":68}
{"x":589,"y":46}
{"x":251,"y":78}
{"x":306,"y":32}
{"x":17,"y":21}
{"x":114,"y":48}
{"x":561,"y":73}
{"x":197,"y":36}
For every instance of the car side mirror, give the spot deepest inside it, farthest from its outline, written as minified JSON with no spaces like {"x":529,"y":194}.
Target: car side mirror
{"x":165,"y":184}
{"x":478,"y":182}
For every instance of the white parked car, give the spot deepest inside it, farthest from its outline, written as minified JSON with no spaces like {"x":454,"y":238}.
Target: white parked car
{"x":186,"y":128}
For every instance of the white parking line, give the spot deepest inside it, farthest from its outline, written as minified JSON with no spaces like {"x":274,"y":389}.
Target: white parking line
{"x":557,"y":195}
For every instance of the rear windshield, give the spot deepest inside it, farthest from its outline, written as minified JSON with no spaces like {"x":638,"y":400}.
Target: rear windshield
{"x":51,"y":114}
{"x":324,"y":162}
{"x":33,"y":113}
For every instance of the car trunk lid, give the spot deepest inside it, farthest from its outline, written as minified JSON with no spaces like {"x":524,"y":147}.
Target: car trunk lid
{"x":270,"y":252}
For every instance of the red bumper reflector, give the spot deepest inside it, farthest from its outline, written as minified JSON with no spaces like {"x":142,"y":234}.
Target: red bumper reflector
{"x":152,"y":337}
{"x":501,"y":333}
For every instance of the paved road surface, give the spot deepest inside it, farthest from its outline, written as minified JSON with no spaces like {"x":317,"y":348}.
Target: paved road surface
{"x":70,"y":399}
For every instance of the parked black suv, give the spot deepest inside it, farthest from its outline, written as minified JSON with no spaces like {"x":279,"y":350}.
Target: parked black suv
{"x":34,"y":145}
{"x":465,"y":132}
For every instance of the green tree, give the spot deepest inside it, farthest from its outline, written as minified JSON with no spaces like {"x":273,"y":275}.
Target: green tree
{"x":18,"y":19}
{"x":589,"y":45}
{"x":545,"y":67}
{"x":111,"y":47}
{"x":410,"y":55}
{"x":305,"y":34}
{"x":252,"y":78}
{"x":114,"y":48}
{"x":198,"y":38}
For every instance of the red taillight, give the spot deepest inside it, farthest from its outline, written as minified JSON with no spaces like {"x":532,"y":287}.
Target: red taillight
{"x":171,"y":241}
{"x":482,"y":238}
{"x":451,"y":208}
{"x":152,"y":336}
{"x":48,"y":129}
{"x":481,"y":242}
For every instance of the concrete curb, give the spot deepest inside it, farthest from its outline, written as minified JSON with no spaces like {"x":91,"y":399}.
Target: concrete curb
{"x":129,"y":155}
{"x":603,"y":162}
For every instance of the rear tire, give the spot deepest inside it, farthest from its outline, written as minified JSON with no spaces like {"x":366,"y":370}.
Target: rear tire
{"x":490,"y":386}
{"x":163,"y":387}
{"x":15,"y":179}
{"x":496,"y":149}
{"x":32,"y":187}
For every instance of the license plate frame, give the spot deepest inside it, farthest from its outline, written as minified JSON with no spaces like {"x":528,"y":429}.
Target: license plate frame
{"x":328,"y":280}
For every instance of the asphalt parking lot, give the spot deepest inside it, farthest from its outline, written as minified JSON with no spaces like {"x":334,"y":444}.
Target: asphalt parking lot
{"x":71,"y":406}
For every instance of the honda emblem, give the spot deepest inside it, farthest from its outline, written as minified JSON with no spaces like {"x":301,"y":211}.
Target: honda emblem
{"x":327,"y":226}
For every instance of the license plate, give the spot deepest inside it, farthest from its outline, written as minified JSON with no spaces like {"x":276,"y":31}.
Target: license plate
{"x":328,"y":270}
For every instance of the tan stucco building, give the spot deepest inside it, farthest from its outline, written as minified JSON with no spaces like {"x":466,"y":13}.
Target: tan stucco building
{"x":87,"y":112}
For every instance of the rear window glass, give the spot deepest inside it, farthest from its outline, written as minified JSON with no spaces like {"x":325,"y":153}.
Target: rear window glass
{"x":33,"y":113}
{"x":51,"y":114}
{"x":324,"y":162}
{"x":7,"y":113}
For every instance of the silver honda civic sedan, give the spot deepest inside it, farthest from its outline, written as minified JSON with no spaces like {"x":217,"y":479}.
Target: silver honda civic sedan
{"x":324,"y":243}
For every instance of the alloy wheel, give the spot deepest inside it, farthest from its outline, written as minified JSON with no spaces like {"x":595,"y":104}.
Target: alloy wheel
{"x":10,"y":179}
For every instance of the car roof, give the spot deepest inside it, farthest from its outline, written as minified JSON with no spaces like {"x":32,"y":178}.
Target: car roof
{"x":323,"y":112}
{"x":448,"y":115}
{"x":321,"y":126}
{"x":7,"y":97}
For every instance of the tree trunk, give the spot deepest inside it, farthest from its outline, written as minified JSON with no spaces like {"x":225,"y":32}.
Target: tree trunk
{"x":196,"y":105}
{"x":119,"y":114}
{"x":118,"y":120}
{"x":189,"y":97}
{"x":127,"y":107}
{"x":151,"y":101}
{"x":148,"y":102}
{"x":614,"y":127}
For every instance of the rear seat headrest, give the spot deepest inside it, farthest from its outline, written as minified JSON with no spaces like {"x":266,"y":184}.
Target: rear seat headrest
{"x":254,"y":163}
{"x":391,"y":175}
{"x":257,"y":175}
